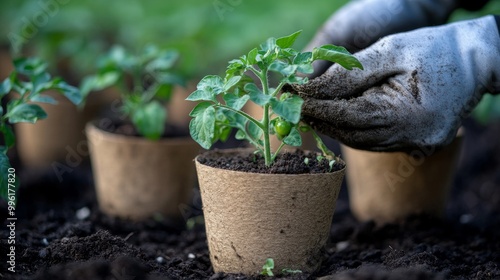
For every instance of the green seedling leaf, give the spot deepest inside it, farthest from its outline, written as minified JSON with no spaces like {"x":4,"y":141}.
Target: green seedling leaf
{"x":290,"y":271}
{"x":231,"y":118}
{"x":5,"y":87}
{"x":222,"y":132}
{"x":303,"y":58}
{"x":212,"y":84}
{"x":295,"y":80}
{"x":200,"y":108}
{"x":283,"y":68}
{"x":236,"y":67}
{"x":289,"y":109}
{"x":43,"y":99}
{"x":293,"y":139}
{"x":200,"y":94}
{"x":253,"y":57}
{"x":287,"y":41}
{"x":306,"y":161}
{"x":165,"y":78}
{"x":267,"y":269}
{"x":256,"y":95}
{"x":202,"y":127}
{"x":25,"y":113}
{"x":231,"y":82}
{"x":119,"y":58}
{"x":331,"y":163}
{"x":338,"y":55}
{"x":306,"y":69}
{"x":150,"y":120}
{"x":105,"y":80}
{"x":8,"y":135}
{"x":41,"y":83}
{"x":236,"y":102}
{"x":240,"y":135}
{"x":269,"y":45}
{"x":162,"y":63}
{"x":254,"y":131}
{"x":30,"y":66}
{"x":70,"y":92}
{"x":288,"y":53}
{"x":208,"y":88}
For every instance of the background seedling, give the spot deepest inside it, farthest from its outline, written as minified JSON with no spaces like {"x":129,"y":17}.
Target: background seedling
{"x":267,"y":268}
{"x":29,"y":80}
{"x":145,"y":82}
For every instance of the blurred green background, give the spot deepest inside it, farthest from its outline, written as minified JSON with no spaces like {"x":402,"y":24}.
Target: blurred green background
{"x":207,"y":33}
{"x":72,"y":34}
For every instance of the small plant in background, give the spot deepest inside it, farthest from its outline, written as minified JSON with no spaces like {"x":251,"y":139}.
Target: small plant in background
{"x":29,"y":80}
{"x":267,"y":268}
{"x":145,"y":82}
{"x":286,"y":271}
{"x":223,"y":98}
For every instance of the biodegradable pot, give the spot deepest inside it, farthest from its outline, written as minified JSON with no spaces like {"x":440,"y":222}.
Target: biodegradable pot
{"x":250,"y":217}
{"x":136,"y":178}
{"x":61,"y":136}
{"x":388,"y":187}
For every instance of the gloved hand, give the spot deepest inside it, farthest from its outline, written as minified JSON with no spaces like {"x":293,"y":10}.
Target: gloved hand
{"x":414,"y":91}
{"x":360,"y":23}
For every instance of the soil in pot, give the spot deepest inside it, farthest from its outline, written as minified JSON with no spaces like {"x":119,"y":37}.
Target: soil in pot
{"x":286,"y":163}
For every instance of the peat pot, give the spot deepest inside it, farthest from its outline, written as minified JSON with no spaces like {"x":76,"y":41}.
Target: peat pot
{"x":136,"y":178}
{"x":388,"y":187}
{"x":60,"y":138}
{"x":250,"y":217}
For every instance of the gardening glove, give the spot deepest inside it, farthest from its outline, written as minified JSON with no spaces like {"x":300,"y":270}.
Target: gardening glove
{"x":415,"y":88}
{"x":360,"y":23}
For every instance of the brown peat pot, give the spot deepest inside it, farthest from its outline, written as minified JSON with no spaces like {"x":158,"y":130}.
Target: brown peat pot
{"x":250,"y":217}
{"x":136,"y":178}
{"x":388,"y":187}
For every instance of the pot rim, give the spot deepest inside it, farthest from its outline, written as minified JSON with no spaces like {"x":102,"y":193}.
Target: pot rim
{"x":92,"y":128}
{"x":240,"y":150}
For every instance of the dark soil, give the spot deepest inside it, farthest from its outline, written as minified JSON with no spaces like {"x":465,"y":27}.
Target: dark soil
{"x":60,"y":233}
{"x":126,"y":128}
{"x":285,"y":163}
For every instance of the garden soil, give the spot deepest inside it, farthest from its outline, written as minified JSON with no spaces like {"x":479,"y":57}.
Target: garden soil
{"x":60,"y":233}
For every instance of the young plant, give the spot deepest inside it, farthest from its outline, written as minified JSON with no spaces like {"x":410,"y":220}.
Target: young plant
{"x":223,"y":98}
{"x":145,"y":82}
{"x":267,"y":268}
{"x":29,"y":80}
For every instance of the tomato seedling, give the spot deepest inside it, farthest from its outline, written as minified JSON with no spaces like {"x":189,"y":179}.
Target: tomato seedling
{"x":267,"y":268}
{"x":222,"y":98}
{"x":145,"y":82}
{"x":29,"y":80}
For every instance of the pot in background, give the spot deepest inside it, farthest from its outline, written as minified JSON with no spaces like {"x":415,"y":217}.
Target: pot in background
{"x":136,"y":178}
{"x":388,"y":187}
